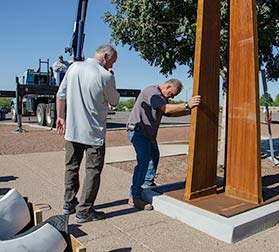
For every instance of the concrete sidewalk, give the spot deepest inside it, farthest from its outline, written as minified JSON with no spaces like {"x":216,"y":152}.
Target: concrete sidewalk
{"x":40,"y":177}
{"x":127,"y":153}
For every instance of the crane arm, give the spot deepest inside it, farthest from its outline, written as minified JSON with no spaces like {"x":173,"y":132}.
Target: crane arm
{"x":76,"y":48}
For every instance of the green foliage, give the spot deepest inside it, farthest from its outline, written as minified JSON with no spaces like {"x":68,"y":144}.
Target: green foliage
{"x":163,"y":32}
{"x":130,"y":104}
{"x":153,"y":28}
{"x":277,"y":100}
{"x":5,"y":103}
{"x":125,"y":105}
{"x":269,"y":100}
{"x":268,"y":30}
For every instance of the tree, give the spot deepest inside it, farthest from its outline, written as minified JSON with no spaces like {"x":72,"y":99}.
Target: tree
{"x":130,"y":103}
{"x":5,"y":103}
{"x":120,"y":106}
{"x":270,"y":101}
{"x":163,"y":32}
{"x":125,"y":105}
{"x":277,"y":100}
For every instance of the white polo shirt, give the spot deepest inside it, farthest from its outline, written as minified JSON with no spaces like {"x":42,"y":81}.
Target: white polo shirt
{"x":88,"y":89}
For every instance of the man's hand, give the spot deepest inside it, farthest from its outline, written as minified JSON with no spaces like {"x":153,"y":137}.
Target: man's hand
{"x":111,"y":71}
{"x":60,"y":126}
{"x":194,"y":101}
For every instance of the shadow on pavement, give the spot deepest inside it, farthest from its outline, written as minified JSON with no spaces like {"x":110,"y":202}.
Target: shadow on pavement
{"x":270,"y":179}
{"x":116,"y":213}
{"x":7,"y":178}
{"x":181,"y":185}
{"x":265,"y":148}
{"x":269,"y":193}
{"x":115,"y":125}
{"x":112,"y":214}
{"x":76,"y":231}
{"x":112,"y":204}
{"x":121,"y":250}
{"x":267,"y":181}
{"x":3,"y":191}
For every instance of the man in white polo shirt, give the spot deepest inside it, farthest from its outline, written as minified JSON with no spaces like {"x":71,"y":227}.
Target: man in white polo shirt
{"x":87,"y":90}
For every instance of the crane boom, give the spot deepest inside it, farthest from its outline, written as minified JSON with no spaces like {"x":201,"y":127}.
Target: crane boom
{"x":77,"y":43}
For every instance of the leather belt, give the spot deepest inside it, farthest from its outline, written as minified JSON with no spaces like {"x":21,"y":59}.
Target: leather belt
{"x":133,"y":127}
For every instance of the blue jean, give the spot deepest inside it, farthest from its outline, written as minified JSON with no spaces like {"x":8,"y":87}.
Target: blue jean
{"x":147,"y":161}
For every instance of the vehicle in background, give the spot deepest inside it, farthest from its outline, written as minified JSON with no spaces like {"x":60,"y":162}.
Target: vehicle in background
{"x":35,"y":94}
{"x":36,"y":90}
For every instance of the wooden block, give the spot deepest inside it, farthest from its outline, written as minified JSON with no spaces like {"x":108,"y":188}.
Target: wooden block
{"x":38,"y":212}
{"x":38,"y":218}
{"x":76,"y":245}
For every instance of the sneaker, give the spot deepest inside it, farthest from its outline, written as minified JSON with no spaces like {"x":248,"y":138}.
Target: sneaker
{"x":70,"y":207}
{"x":149,"y":186}
{"x":141,"y":204}
{"x":91,"y":216}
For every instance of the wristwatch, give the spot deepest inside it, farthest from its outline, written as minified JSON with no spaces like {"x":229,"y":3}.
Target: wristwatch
{"x":186,"y":104}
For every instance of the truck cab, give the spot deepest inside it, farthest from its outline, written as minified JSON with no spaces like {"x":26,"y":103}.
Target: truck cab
{"x":30,"y":77}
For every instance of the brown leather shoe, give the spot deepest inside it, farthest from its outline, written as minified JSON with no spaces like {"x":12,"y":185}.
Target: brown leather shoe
{"x":141,"y":204}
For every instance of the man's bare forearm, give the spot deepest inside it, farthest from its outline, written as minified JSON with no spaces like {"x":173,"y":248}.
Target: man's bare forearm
{"x":170,"y":109}
{"x":60,"y":107}
{"x":181,"y":109}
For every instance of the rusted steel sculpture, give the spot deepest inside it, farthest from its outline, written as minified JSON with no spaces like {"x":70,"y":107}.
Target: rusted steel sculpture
{"x":243,"y":170}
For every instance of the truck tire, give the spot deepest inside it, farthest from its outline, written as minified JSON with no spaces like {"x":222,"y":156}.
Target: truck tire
{"x":41,"y":112}
{"x":50,"y":115}
{"x":14,"y":114}
{"x":3,"y":115}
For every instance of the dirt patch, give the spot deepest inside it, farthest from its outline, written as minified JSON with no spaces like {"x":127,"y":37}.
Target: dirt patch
{"x":170,"y":169}
{"x":42,"y":139}
{"x":173,"y":169}
{"x":34,"y":140}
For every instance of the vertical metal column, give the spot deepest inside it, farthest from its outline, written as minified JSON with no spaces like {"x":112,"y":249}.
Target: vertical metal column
{"x":243,"y":178}
{"x":202,"y":158}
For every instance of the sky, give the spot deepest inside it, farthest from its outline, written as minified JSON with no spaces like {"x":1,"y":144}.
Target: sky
{"x":33,"y":30}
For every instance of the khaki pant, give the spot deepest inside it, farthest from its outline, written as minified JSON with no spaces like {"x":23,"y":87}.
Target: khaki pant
{"x":94,"y":163}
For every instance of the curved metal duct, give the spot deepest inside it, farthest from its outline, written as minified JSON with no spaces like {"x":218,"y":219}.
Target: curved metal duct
{"x":14,"y":214}
{"x":44,"y":239}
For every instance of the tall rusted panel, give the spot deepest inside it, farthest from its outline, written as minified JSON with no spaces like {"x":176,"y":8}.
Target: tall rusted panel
{"x":202,"y":157}
{"x":243,"y":179}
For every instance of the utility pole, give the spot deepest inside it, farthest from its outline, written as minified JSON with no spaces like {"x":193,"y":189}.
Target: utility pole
{"x":274,"y":161}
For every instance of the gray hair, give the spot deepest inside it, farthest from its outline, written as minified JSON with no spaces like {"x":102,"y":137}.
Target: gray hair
{"x":106,"y":49}
{"x":175,"y":83}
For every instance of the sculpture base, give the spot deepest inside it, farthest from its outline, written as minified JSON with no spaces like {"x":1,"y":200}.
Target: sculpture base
{"x":222,"y":217}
